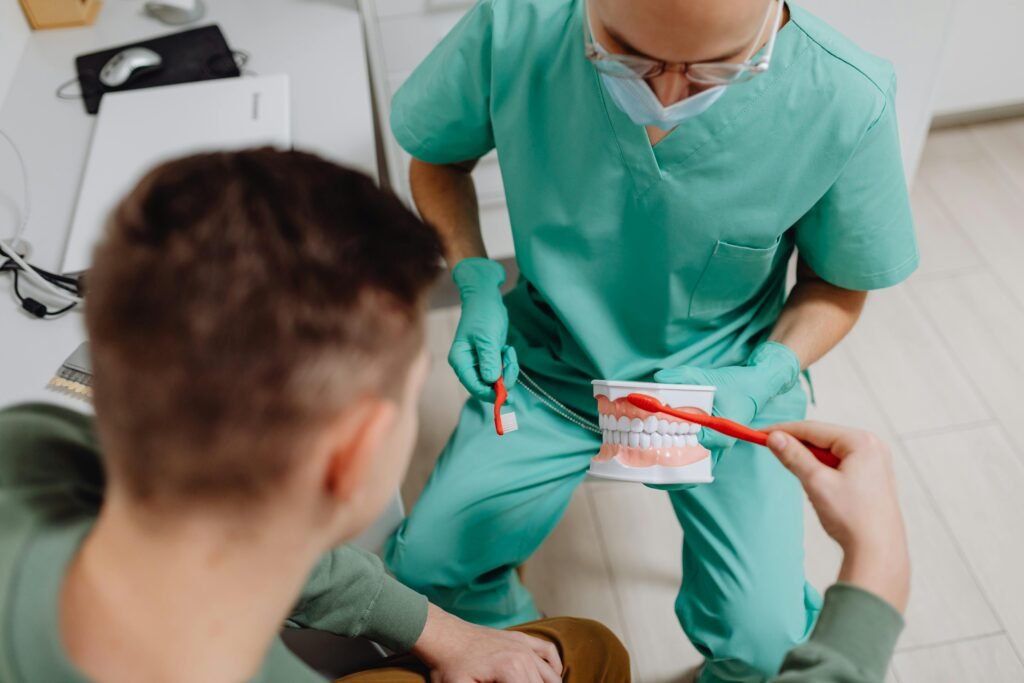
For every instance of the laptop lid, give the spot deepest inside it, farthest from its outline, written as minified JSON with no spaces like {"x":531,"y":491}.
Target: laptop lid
{"x":139,"y":129}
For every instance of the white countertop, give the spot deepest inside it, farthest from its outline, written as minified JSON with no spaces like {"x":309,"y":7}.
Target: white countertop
{"x":318,"y":43}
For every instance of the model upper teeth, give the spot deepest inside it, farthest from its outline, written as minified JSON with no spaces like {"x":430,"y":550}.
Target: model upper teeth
{"x":649,"y":432}
{"x":651,"y":425}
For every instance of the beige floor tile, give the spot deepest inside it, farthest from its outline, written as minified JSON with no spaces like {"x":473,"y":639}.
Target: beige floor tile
{"x":945,"y":603}
{"x":976,"y":479}
{"x":1004,"y":143}
{"x":950,"y":145}
{"x":841,"y":394}
{"x":944,"y":246}
{"x":979,"y":197}
{"x":983,"y":660}
{"x":914,"y":378}
{"x":984,"y":327}
{"x":569,"y":575}
{"x":644,"y":546}
{"x":989,"y":208}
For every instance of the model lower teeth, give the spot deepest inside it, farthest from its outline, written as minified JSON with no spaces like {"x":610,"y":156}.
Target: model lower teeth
{"x":637,"y":438}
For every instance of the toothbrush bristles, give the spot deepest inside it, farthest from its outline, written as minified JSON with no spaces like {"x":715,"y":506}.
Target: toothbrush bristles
{"x":509,"y":423}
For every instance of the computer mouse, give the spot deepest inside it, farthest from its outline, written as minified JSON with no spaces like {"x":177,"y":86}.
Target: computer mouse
{"x":176,"y":12}
{"x":128,"y":65}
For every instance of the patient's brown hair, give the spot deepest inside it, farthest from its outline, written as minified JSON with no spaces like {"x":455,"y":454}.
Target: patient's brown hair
{"x":237,"y":302}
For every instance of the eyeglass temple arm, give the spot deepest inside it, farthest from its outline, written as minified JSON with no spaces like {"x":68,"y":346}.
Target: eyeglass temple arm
{"x":770,"y":47}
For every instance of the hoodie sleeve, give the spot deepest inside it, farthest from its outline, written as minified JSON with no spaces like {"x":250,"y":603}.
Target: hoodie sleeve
{"x":349,"y":593}
{"x":852,"y":642}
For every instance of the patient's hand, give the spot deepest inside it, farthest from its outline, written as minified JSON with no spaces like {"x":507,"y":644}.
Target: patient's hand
{"x":460,"y":652}
{"x":857,"y":503}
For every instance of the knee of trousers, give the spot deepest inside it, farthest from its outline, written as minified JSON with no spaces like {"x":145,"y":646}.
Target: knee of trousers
{"x":752,"y":626}
{"x":608,"y":656}
{"x":589,"y":649}
{"x":427,"y":563}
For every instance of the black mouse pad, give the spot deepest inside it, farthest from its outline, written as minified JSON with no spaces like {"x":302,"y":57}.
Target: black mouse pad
{"x":199,"y":54}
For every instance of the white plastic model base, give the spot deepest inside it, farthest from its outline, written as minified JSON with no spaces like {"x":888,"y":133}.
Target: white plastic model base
{"x":651,"y":448}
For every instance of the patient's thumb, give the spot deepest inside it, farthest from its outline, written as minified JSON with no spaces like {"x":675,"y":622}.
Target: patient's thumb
{"x":793,"y":455}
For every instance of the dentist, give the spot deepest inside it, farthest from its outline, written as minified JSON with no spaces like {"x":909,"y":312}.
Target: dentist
{"x":662,"y":162}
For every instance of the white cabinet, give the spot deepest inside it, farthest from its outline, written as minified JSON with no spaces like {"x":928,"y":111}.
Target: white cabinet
{"x":983,"y":54}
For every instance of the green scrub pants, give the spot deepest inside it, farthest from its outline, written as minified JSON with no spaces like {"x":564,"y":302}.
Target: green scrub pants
{"x":491,"y":501}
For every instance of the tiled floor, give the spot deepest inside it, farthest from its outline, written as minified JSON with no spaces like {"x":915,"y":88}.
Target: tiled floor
{"x":936,"y":366}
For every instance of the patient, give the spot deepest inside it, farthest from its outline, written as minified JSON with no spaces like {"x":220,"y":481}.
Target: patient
{"x":256,"y":321}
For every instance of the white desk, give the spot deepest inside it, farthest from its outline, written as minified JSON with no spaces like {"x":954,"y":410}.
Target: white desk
{"x":318,"y":43}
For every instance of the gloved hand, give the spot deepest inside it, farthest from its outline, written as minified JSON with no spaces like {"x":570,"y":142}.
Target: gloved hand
{"x":480,"y":349}
{"x":742,"y":391}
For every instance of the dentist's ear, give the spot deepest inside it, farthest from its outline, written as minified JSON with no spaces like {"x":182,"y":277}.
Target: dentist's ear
{"x":358,"y":436}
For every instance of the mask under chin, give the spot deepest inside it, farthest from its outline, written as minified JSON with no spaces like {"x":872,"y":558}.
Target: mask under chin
{"x":636,"y":99}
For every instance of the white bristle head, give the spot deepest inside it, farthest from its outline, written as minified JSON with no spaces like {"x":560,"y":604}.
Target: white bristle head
{"x":509,"y":423}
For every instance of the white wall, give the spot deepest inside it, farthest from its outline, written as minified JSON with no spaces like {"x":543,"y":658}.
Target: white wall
{"x":983,"y":55}
{"x":912,"y":35}
{"x":13,"y":33}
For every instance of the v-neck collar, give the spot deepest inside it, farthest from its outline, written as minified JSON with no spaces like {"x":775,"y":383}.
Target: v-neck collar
{"x":648,"y":164}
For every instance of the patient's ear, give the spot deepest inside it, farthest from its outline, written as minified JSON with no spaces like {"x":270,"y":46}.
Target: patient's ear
{"x":359,"y":435}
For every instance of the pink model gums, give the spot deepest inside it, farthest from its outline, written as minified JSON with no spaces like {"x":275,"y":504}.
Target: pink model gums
{"x":639,"y":438}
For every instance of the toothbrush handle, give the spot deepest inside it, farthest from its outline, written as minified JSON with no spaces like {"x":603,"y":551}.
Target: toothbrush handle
{"x":744,"y":433}
{"x":725,"y":426}
{"x":499,"y":400}
{"x":728,"y":427}
{"x":825,"y":457}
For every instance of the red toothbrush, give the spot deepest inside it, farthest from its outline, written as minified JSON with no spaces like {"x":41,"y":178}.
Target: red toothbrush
{"x":723,"y":426}
{"x":503,"y":422}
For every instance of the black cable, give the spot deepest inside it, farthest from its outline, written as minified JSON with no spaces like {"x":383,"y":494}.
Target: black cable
{"x":53,"y":278}
{"x":242,"y":58}
{"x":68,"y":284}
{"x":75,"y":96}
{"x":33,"y":306}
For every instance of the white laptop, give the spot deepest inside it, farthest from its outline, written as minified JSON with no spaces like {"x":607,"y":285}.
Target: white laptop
{"x":138,"y":129}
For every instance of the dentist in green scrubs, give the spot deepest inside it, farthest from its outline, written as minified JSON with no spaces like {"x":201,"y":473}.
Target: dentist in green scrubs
{"x":662,"y":162}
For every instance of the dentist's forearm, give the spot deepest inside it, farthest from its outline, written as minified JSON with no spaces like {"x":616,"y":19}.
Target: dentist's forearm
{"x":816,"y":317}
{"x":446,"y":198}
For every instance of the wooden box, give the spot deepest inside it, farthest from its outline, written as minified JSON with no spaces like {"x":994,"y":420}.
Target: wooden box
{"x":58,"y":13}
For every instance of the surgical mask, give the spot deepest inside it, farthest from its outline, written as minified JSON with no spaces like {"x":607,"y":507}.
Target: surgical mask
{"x":637,"y":101}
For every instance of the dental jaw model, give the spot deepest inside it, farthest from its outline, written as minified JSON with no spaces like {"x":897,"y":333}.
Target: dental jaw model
{"x":651,"y":448}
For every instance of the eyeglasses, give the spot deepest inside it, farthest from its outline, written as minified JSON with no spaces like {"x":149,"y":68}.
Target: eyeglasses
{"x":705,"y":73}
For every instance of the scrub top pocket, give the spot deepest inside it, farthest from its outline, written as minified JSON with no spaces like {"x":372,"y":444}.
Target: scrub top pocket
{"x":733,"y":276}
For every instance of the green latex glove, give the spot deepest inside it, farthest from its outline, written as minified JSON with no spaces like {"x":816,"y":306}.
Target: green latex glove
{"x":480,"y":349}
{"x":741,"y":391}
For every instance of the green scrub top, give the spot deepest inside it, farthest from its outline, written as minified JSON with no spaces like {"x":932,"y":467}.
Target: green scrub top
{"x":635,"y":258}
